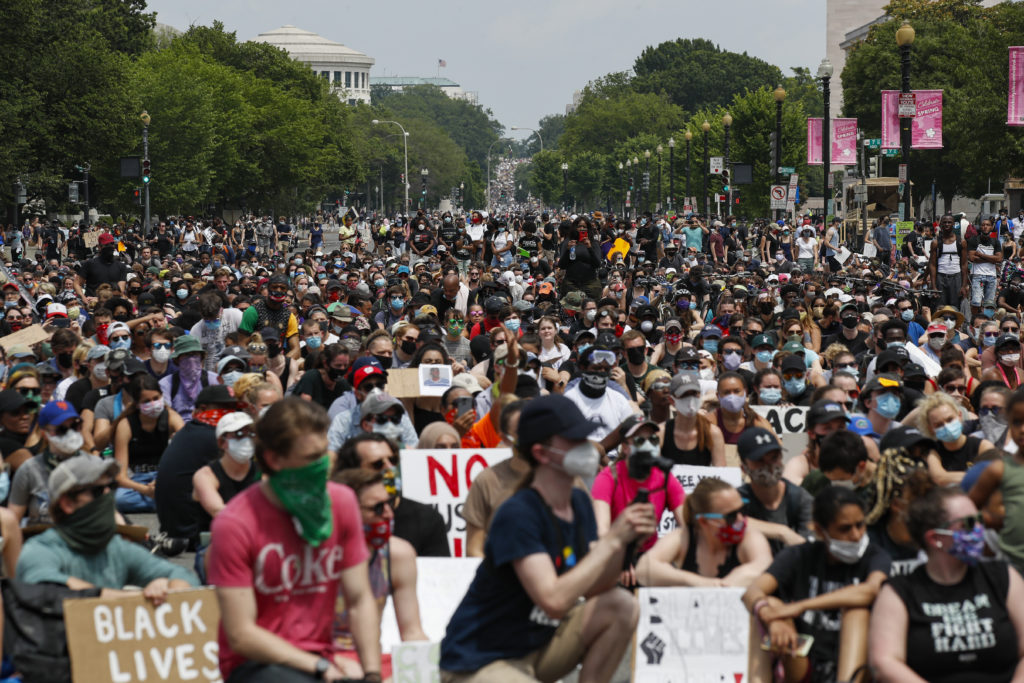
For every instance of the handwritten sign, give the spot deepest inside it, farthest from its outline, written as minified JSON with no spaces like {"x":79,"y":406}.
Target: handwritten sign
{"x":435,"y":379}
{"x":122,"y":640}
{"x":442,"y":478}
{"x":33,"y":334}
{"x":789,"y":424}
{"x":689,"y":476}
{"x":91,"y":240}
{"x":691,"y":634}
{"x":403,"y":383}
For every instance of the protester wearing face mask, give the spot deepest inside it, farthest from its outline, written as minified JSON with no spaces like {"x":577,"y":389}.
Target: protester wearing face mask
{"x":273,"y":312}
{"x":214,"y":485}
{"x":326,"y":381}
{"x":849,"y":335}
{"x":911,"y":610}
{"x":733,"y":414}
{"x":730,"y":354}
{"x":285,"y":368}
{"x":664,"y":355}
{"x":882,"y":400}
{"x":822,"y":589}
{"x":714,"y":547}
{"x":231,"y":367}
{"x":592,"y":395}
{"x":160,"y":344}
{"x":939,"y":418}
{"x":1007,"y":350}
{"x":102,"y":269}
{"x":991,"y":423}
{"x":634,"y":345}
{"x":217,"y":323}
{"x":710,"y":338}
{"x":693,"y":439}
{"x":182,"y":387}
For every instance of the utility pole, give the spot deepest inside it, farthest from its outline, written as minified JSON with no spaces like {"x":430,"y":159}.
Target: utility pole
{"x":145,"y":161}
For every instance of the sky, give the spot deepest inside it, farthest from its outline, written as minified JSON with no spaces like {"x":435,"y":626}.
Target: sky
{"x":524,"y":58}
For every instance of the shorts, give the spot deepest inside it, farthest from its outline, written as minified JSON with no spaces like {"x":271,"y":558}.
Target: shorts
{"x":549,"y":663}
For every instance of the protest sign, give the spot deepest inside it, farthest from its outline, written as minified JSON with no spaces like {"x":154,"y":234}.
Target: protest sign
{"x":441,"y":477}
{"x":33,"y":334}
{"x":789,"y":424}
{"x":403,"y":383}
{"x":435,"y":379}
{"x":121,"y":640}
{"x":691,"y":634}
{"x":91,"y":239}
{"x":441,"y":583}
{"x":689,"y":476}
{"x":1015,"y":99}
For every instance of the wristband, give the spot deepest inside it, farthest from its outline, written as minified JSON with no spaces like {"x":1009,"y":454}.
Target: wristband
{"x":757,"y":607}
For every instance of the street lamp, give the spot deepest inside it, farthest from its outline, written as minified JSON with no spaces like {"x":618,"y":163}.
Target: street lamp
{"x":622,"y":184}
{"x":462,"y":196}
{"x":727,"y":124}
{"x":825,"y":71}
{"x":780,"y":96}
{"x":905,"y":38}
{"x":671,"y":173}
{"x":689,"y":139}
{"x":657,"y":202}
{"x":405,"y":176}
{"x":647,"y":179}
{"x":565,"y":184}
{"x":532,"y":130}
{"x":707,"y":200}
{"x":145,"y":118}
{"x":424,"y":172}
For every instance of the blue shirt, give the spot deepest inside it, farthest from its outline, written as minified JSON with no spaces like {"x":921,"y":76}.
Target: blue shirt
{"x":881,"y":235}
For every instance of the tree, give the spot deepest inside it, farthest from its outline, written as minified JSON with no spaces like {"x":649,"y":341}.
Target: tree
{"x":546,"y":176}
{"x":599,"y":124}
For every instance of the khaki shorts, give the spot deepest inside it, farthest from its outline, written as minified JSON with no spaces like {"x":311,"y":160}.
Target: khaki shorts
{"x":549,"y":663}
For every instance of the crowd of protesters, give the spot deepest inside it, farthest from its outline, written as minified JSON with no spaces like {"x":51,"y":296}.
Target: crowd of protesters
{"x":232,"y":377}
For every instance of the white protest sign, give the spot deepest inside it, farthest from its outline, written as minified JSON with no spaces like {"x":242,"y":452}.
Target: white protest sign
{"x":441,"y":583}
{"x":127,"y":639}
{"x":435,"y":379}
{"x":441,"y":477}
{"x":843,"y":255}
{"x":869,"y":250}
{"x":697,"y":635}
{"x":789,"y":424}
{"x":689,"y":476}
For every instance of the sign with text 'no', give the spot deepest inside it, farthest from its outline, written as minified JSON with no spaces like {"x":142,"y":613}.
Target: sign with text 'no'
{"x":442,"y":478}
{"x":122,"y":640}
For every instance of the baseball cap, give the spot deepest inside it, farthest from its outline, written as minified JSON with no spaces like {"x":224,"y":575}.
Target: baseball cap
{"x":937,"y":327}
{"x":652,"y":377}
{"x":860,"y":424}
{"x":643,"y":423}
{"x":793,"y":363}
{"x":547,"y":416}
{"x":56,"y":310}
{"x":104,"y":239}
{"x":232,"y":422}
{"x":1007,"y":340}
{"x":55,"y":412}
{"x":187,"y":344}
{"x":902,"y":436}
{"x":11,"y":400}
{"x":377,"y":403}
{"x":98,"y":351}
{"x":226,"y":360}
{"x":20,"y":351}
{"x":794,"y":347}
{"x":882,"y":381}
{"x":467,"y":381}
{"x":687,"y":354}
{"x":684,"y":382}
{"x":77,"y":471}
{"x":711,"y":331}
{"x":755,"y":443}
{"x":825,"y":411}
{"x":761,"y":340}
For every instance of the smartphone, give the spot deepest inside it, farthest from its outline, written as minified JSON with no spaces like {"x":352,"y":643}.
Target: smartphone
{"x":583,"y":235}
{"x":463,"y":404}
{"x":802,"y":649}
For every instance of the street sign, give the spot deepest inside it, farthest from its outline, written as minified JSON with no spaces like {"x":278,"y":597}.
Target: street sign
{"x":778,"y":196}
{"x":908,"y":105}
{"x":786,"y":170}
{"x":873,"y":143}
{"x":890,"y":152}
{"x":860,"y":192}
{"x":716,"y":164}
{"x":903,"y":173}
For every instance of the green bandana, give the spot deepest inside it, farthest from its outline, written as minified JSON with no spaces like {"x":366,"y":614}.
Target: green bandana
{"x":89,"y":529}
{"x":303,"y":493}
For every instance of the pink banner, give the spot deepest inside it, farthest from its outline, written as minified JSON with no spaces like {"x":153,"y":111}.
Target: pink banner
{"x":844,"y":142}
{"x":1015,"y":103}
{"x":926,"y":129}
{"x":890,"y":122}
{"x":814,"y":142}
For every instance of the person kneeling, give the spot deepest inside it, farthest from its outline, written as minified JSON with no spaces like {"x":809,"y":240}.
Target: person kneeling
{"x":540,"y":603}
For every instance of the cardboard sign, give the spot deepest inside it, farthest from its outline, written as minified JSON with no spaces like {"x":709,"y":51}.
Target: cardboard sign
{"x":691,"y":634}
{"x":789,"y":424}
{"x":91,"y":239}
{"x":441,"y":583}
{"x":689,"y":476}
{"x":403,"y":383}
{"x":33,"y":334}
{"x":122,"y":640}
{"x":442,"y":478}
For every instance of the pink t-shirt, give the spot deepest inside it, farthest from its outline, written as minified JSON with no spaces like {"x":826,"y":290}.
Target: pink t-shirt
{"x":255,"y":545}
{"x":620,"y":491}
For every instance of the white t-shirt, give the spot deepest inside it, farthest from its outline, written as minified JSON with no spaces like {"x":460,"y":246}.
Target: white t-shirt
{"x":609,"y":410}
{"x":981,"y":268}
{"x":212,"y":338}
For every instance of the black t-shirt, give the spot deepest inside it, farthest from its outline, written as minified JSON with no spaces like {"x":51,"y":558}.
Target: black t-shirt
{"x":423,"y":527}
{"x":312,"y":383}
{"x":803,"y":571}
{"x":857,"y":346}
{"x":96,"y":272}
{"x":421,"y":239}
{"x":960,"y":633}
{"x":548,"y":241}
{"x":530,"y":243}
{"x":448,"y":232}
{"x":440,"y":302}
{"x":905,"y":559}
{"x":915,"y":239}
{"x":75,"y":395}
{"x":193,"y":447}
{"x":93,"y":396}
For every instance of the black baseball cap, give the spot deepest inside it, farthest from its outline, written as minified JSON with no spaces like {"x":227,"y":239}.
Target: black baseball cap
{"x":903,"y":437}
{"x":825,"y":411}
{"x":754,"y":443}
{"x":215,"y":394}
{"x":547,"y":416}
{"x":11,"y":400}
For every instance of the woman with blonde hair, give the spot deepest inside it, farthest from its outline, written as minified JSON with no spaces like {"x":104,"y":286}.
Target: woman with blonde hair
{"x":939,"y":418}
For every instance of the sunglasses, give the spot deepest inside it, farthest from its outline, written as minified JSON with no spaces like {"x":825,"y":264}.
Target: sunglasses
{"x":378,"y":508}
{"x":955,"y":389}
{"x":384,"y":419}
{"x":75,"y":426}
{"x":380,"y":464}
{"x":120,"y":337}
{"x":162,"y":345}
{"x":689,"y":367}
{"x":24,"y":410}
{"x":792,"y":374}
{"x":991,"y":335}
{"x":641,"y":440}
{"x":728,"y":517}
{"x":29,"y":391}
{"x":243,"y":433}
{"x":97,"y":490}
{"x":1010,"y":329}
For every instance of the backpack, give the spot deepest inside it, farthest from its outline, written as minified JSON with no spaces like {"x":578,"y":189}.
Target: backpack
{"x":34,"y":634}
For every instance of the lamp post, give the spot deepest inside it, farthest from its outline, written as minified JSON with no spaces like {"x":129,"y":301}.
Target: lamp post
{"x":905,"y":38}
{"x":647,"y":180}
{"x":424,"y":172}
{"x":657,"y":197}
{"x":405,"y":177}
{"x":825,"y":71}
{"x":622,"y":184}
{"x":532,"y":130}
{"x":565,"y":185}
{"x":671,"y":173}
{"x":462,"y":196}
{"x":689,"y":140}
{"x":145,"y":118}
{"x":707,"y":201}
{"x":629,"y":192}
{"x":727,"y":124}
{"x":780,"y":96}
{"x":639,"y":194}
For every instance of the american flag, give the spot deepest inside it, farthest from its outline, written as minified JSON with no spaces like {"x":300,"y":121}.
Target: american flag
{"x":442,"y":63}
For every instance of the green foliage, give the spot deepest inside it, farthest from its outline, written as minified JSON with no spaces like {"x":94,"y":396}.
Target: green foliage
{"x":546,"y":176}
{"x":600,"y":123}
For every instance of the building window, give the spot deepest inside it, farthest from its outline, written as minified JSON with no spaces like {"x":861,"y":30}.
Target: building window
{"x":337,"y":77}
{"x":364,"y":80}
{"x":326,"y":75}
{"x":352,"y":102}
{"x":348,"y":80}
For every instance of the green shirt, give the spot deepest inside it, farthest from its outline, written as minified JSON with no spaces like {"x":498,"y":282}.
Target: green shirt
{"x":46,"y":558}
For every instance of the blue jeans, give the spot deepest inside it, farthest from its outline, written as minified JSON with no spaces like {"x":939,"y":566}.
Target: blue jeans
{"x":983,"y":288}
{"x":130,"y":500}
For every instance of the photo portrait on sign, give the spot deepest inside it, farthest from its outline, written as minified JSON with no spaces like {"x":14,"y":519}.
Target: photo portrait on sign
{"x":435,"y":379}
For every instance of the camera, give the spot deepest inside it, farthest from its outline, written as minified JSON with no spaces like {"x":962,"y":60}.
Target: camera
{"x":641,"y":463}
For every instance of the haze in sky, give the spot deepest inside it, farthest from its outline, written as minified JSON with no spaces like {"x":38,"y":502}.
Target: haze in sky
{"x":524,"y":58}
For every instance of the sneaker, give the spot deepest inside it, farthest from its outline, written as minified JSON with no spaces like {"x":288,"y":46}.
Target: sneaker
{"x":166,"y":546}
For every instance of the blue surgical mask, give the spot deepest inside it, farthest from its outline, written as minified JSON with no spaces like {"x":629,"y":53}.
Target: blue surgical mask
{"x":888,"y":406}
{"x":795,"y":386}
{"x":313,"y":343}
{"x":583,"y":349}
{"x":907,"y":315}
{"x":711,"y":345}
{"x":379,"y":282}
{"x":770,"y":395}
{"x":397,"y":303}
{"x":123,"y":343}
{"x":167,"y":284}
{"x":216,"y":264}
{"x":512,"y":324}
{"x":764,"y":357}
{"x":988,"y":341}
{"x":989,"y":313}
{"x":231,"y":377}
{"x":894,"y":345}
{"x":951,"y":431}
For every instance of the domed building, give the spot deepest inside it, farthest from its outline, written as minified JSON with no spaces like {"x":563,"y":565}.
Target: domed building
{"x":347,"y":70}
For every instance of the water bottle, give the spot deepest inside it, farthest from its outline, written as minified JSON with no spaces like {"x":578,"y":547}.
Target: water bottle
{"x":572,"y":253}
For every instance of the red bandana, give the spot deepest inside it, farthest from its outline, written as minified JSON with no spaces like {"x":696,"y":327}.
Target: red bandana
{"x":212,"y":416}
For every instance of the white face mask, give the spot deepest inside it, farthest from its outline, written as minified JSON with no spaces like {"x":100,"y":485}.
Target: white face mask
{"x":688,"y":405}
{"x":390,"y":430}
{"x":152,"y":408}
{"x":1010,"y":358}
{"x":847,"y":552}
{"x":100,"y":372}
{"x":707,"y":373}
{"x":69,"y":444}
{"x":581,"y":461}
{"x":161,"y":355}
{"x":241,"y":450}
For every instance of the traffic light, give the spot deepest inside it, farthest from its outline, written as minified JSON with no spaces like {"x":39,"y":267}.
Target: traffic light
{"x":873,"y":167}
{"x":725,"y":180}
{"x":146,"y":171}
{"x":137,"y":196}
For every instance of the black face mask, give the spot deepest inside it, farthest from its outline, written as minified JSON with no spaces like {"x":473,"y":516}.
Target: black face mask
{"x":335,"y":373}
{"x":107,"y":254}
{"x":385,"y":361}
{"x":636,"y":355}
{"x":408,"y":347}
{"x":64,"y":360}
{"x":767,"y":307}
{"x":273,"y":349}
{"x":850,"y":322}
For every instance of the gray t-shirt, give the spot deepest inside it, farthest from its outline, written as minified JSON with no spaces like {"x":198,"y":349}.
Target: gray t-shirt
{"x":29,"y":489}
{"x":458,"y":350}
{"x":105,"y":408}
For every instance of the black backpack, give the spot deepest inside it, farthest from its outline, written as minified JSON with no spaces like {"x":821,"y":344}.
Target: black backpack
{"x":34,"y":635}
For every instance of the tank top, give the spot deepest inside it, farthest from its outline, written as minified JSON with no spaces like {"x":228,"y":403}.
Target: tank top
{"x":146,"y":447}
{"x":959,"y":460}
{"x":668,"y":359}
{"x":1011,"y":536}
{"x":730,"y":437}
{"x":694,"y":456}
{"x":380,"y":584}
{"x":228,"y":487}
{"x":949,"y":257}
{"x":732,"y":559}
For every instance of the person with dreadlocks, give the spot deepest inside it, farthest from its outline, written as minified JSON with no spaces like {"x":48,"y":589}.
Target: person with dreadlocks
{"x":900,"y":478}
